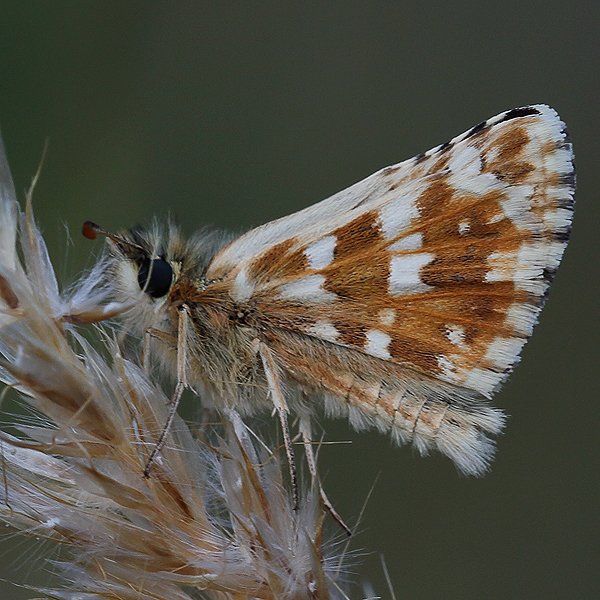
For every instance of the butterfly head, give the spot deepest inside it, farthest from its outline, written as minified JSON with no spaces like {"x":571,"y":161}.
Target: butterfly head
{"x":140,"y":260}
{"x":154,"y":269}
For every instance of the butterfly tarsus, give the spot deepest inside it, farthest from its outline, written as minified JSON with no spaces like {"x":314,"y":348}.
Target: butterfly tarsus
{"x":306,"y":433}
{"x":278,"y":400}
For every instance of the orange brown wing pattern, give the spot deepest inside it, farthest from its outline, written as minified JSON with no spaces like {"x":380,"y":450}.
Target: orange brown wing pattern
{"x":409,"y":296}
{"x":448,"y":273}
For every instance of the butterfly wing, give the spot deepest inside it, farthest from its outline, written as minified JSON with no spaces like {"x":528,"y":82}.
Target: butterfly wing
{"x":437,"y":267}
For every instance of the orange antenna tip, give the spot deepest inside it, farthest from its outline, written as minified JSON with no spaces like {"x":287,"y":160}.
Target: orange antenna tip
{"x":90,"y":230}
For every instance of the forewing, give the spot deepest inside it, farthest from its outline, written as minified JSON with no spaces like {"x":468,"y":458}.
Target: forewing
{"x":440,"y":263}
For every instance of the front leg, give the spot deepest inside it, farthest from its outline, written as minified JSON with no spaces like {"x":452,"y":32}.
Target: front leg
{"x":157,"y":334}
{"x":182,"y":383}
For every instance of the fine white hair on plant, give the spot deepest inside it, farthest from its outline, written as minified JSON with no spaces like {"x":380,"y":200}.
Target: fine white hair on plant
{"x":214,"y":520}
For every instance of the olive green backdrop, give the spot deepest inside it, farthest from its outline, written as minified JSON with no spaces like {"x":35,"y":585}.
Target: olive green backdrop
{"x":235,"y":113}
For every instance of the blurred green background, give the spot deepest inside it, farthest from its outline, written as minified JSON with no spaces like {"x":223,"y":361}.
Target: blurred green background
{"x":235,"y":113}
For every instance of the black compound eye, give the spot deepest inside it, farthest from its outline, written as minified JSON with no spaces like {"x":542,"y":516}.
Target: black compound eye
{"x":155,"y":277}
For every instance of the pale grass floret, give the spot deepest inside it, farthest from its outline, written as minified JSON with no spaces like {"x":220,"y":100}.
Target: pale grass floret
{"x":215,"y":518}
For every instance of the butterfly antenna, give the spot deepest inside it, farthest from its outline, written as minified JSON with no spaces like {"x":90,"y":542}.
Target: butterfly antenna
{"x":91,"y":231}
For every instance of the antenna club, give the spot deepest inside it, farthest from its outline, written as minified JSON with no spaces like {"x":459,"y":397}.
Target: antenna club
{"x":90,"y":230}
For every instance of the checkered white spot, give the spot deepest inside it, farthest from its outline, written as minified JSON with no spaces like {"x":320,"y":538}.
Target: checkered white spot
{"x":402,"y":301}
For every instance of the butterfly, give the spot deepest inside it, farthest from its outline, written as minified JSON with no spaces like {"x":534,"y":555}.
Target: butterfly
{"x":401,"y":302}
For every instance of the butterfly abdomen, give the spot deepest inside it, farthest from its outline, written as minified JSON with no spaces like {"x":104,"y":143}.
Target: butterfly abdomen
{"x":409,"y":406}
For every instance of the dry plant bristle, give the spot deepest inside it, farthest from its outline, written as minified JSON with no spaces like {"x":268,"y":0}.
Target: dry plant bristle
{"x":214,"y":520}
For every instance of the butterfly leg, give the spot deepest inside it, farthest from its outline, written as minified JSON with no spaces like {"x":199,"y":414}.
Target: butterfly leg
{"x":146,"y":352}
{"x":181,"y":385}
{"x":152,"y":332}
{"x":282,"y":410}
{"x":305,"y":431}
